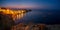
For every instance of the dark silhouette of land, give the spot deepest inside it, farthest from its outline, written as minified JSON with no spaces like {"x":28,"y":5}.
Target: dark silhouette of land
{"x":6,"y":22}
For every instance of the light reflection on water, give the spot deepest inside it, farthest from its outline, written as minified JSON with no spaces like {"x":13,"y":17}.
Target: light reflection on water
{"x":19,"y":16}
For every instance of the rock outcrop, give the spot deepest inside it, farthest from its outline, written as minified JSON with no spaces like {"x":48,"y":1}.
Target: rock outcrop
{"x":6,"y":22}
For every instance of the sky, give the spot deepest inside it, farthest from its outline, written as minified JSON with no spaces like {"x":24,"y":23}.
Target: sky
{"x":33,"y":4}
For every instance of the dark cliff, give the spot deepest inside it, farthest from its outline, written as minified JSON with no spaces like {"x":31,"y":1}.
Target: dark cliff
{"x":6,"y":22}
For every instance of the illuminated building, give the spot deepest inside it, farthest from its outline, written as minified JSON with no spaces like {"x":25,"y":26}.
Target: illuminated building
{"x":16,"y":14}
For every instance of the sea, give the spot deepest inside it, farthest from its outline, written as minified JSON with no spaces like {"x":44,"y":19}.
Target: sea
{"x":41,"y":16}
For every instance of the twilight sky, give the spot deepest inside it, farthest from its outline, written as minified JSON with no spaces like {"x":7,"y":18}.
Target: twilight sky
{"x":33,"y":4}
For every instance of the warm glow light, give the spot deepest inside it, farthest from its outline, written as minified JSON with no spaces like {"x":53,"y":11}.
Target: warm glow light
{"x":15,"y":14}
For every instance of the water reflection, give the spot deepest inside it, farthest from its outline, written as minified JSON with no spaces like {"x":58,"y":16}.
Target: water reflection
{"x":18,"y":16}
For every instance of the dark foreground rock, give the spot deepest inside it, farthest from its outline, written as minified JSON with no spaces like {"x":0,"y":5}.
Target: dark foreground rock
{"x":6,"y":22}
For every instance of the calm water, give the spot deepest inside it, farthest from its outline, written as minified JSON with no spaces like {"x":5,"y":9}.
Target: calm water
{"x":41,"y":16}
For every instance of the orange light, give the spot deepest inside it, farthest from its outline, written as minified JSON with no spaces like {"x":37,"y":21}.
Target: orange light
{"x":15,"y":14}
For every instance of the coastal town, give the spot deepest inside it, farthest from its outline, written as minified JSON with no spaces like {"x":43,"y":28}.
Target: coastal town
{"x":14,"y":13}
{"x":8,"y":18}
{"x":9,"y":11}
